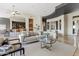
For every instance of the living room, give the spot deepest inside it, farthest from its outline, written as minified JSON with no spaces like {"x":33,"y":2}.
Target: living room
{"x":17,"y":19}
{"x":38,"y":29}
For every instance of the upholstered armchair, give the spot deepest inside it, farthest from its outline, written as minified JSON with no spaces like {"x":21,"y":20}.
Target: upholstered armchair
{"x":15,"y":44}
{"x":1,"y":40}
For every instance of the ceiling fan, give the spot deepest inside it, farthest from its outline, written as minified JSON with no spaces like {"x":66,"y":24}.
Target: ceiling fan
{"x":15,"y":12}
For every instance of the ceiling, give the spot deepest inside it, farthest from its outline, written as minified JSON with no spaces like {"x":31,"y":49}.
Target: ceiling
{"x":28,"y":9}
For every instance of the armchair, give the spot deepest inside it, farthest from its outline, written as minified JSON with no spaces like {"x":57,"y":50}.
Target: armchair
{"x":1,"y":41}
{"x":48,"y":39}
{"x":16,"y":46}
{"x":15,"y":43}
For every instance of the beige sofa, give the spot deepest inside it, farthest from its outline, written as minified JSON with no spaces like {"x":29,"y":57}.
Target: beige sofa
{"x":30,"y":37}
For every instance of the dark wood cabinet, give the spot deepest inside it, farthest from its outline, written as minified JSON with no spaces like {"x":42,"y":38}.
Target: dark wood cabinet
{"x":30,"y":24}
{"x":18,"y":25}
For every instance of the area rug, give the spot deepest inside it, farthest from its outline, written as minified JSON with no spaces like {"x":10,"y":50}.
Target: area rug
{"x":58,"y":49}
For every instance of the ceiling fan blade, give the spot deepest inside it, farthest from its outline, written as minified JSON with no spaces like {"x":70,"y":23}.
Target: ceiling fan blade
{"x":13,"y":11}
{"x":18,"y":13}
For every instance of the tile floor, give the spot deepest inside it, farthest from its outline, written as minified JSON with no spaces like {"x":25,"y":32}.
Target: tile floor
{"x":63,"y":47}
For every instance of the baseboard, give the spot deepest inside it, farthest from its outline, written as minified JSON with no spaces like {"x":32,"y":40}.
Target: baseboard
{"x":32,"y":42}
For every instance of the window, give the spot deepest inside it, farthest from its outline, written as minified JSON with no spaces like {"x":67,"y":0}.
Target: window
{"x":56,"y":25}
{"x":2,"y":27}
{"x":60,"y":24}
{"x":73,"y":27}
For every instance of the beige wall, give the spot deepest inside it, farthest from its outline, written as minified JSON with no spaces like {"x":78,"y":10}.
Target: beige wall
{"x":67,"y":25}
{"x":62,"y":23}
{"x":70,"y":19}
{"x":37,"y":20}
{"x":16,"y":19}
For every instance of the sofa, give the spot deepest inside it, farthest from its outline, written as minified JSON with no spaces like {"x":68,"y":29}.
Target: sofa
{"x":25,"y":37}
{"x":14,"y":35}
{"x":29,"y":37}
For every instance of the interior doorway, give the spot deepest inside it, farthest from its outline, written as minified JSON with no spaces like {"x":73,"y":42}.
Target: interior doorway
{"x":44,"y":24}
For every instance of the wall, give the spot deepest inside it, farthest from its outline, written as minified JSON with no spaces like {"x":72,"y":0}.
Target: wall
{"x":62,"y":23}
{"x":65,"y":25}
{"x":5,"y":21}
{"x":17,"y":19}
{"x":70,"y":19}
{"x":37,"y":20}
